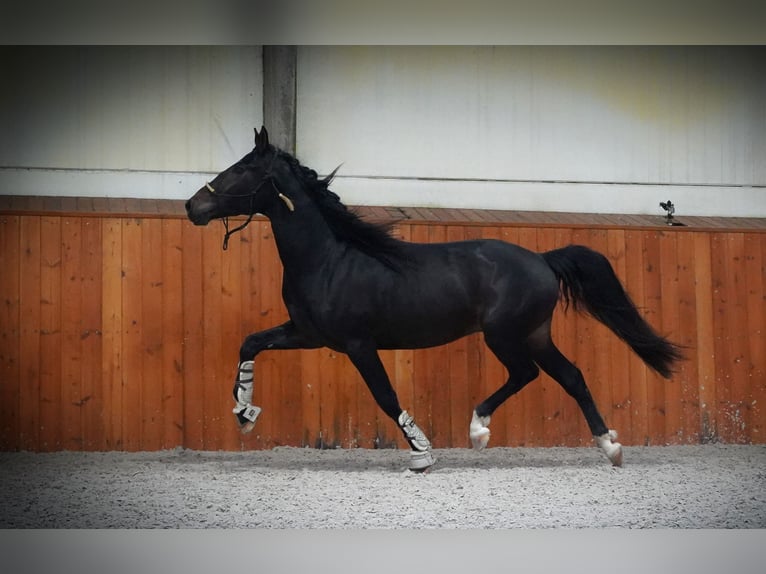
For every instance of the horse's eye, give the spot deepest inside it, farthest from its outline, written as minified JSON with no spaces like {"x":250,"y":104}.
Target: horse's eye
{"x":238,"y":169}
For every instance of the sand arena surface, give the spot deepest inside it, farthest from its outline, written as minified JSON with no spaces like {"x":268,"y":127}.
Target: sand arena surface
{"x":710,"y":486}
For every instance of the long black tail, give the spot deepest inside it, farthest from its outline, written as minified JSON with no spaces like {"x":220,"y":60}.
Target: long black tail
{"x":589,"y":283}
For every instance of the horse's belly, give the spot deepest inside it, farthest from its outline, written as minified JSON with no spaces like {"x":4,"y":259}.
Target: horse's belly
{"x":422,"y":332}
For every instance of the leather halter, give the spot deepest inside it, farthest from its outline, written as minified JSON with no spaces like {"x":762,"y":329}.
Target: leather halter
{"x":268,"y":176}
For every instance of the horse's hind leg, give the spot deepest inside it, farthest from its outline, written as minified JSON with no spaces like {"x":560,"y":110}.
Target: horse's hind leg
{"x":553,"y":362}
{"x":521,"y":371}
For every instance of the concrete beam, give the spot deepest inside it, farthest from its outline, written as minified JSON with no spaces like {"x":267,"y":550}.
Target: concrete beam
{"x":279,"y":73}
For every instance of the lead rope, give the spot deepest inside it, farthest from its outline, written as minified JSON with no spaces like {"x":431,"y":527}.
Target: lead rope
{"x":239,"y":228}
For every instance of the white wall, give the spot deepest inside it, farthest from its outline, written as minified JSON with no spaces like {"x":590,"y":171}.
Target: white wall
{"x":594,"y":129}
{"x":125,"y":121}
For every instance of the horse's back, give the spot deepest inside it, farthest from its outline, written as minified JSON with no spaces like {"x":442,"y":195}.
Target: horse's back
{"x":499,"y":277}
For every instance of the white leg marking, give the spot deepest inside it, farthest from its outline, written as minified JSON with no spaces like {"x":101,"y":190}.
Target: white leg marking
{"x":478,"y":431}
{"x":612,"y":449}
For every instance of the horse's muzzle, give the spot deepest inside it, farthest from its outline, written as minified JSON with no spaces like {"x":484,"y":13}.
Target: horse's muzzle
{"x":199,"y":212}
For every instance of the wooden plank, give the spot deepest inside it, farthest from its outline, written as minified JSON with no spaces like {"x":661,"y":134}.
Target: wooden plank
{"x":329,"y":392}
{"x":215,"y":377}
{"x":736,"y":341}
{"x":172,"y":333}
{"x":292,"y":383}
{"x":349,"y":383}
{"x":152,"y":415}
{"x":10,"y":351}
{"x":29,"y":335}
{"x":619,"y":382}
{"x":310,"y":398}
{"x":50,"y":333}
{"x":91,"y":335}
{"x":670,"y":322}
{"x":687,"y":375}
{"x":71,"y":327}
{"x":721,"y":300}
{"x":706,"y":337}
{"x":132,"y":334}
{"x":636,"y":370}
{"x":111,"y":326}
{"x":599,"y":354}
{"x":757,"y":333}
{"x":389,"y":434}
{"x":231,"y":337}
{"x":193,"y":337}
{"x":653,"y":301}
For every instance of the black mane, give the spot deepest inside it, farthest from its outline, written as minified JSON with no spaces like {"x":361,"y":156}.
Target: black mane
{"x":373,"y":239}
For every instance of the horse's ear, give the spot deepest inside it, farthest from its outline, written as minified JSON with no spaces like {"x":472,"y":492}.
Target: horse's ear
{"x":261,"y":140}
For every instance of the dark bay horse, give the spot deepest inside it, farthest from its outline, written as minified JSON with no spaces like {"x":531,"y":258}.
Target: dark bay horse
{"x":350,"y":286}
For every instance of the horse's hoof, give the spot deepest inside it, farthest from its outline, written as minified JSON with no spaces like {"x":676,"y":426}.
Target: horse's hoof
{"x":478,"y":431}
{"x":613,"y":450}
{"x":616,"y":456}
{"x":421,"y":461}
{"x":246,"y":418}
{"x":480,"y":438}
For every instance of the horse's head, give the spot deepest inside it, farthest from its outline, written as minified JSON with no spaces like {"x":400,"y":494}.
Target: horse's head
{"x":245,"y":188}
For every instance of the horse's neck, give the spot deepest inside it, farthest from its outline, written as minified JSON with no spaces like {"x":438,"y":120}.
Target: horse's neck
{"x":303,"y":237}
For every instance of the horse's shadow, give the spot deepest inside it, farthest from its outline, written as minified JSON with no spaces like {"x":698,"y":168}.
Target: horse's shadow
{"x":394,"y":460}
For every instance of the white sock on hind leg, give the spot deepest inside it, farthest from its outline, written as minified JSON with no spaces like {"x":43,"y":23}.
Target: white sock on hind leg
{"x":479,"y":431}
{"x":612,"y":449}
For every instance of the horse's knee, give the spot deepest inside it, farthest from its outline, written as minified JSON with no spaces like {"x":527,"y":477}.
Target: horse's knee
{"x":251,"y":346}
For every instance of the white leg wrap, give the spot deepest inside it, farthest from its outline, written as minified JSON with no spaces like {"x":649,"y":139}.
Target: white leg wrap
{"x":420,"y":461}
{"x":612,"y":449}
{"x":243,"y":395}
{"x":478,"y":431}
{"x":415,"y":436}
{"x":420,"y":456}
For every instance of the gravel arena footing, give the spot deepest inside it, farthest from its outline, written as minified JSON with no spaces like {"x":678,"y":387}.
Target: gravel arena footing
{"x":684,"y":487}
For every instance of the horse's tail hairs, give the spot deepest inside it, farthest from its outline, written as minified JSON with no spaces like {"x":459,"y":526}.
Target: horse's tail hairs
{"x":588,"y":282}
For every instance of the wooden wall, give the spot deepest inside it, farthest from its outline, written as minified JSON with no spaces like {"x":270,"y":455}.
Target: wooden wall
{"x":122,"y":333}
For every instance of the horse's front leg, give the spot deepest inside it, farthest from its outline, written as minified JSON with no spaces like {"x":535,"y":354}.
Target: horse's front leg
{"x":367,"y":361}
{"x":285,"y":336}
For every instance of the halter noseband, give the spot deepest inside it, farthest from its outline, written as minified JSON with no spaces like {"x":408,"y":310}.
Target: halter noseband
{"x":268,"y":176}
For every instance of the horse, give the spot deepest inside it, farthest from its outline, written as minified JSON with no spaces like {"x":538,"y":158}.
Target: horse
{"x":351,"y":286}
